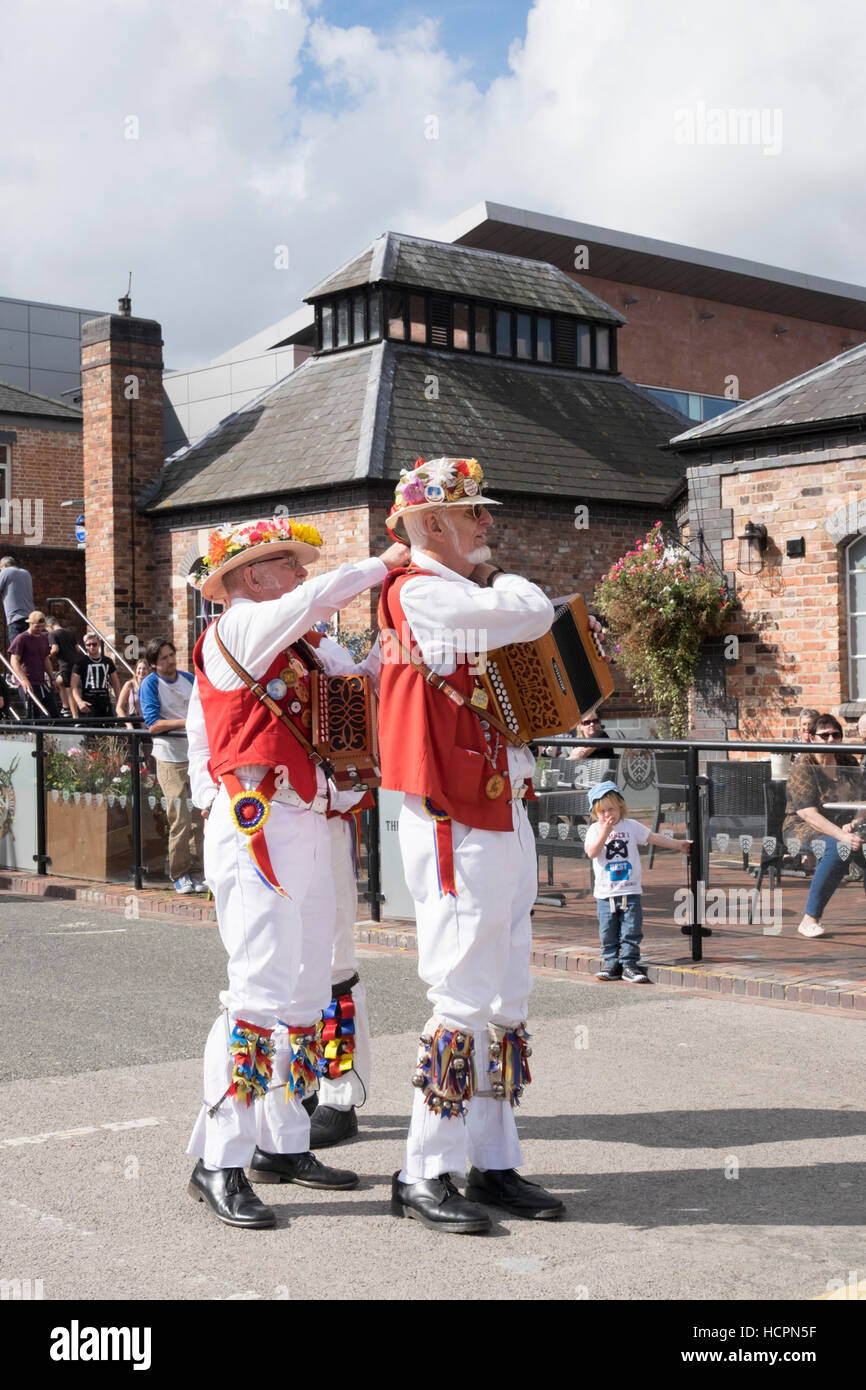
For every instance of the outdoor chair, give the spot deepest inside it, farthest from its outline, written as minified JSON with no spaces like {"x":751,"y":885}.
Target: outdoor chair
{"x":670,"y":778}
{"x":772,"y":854}
{"x":733,"y":803}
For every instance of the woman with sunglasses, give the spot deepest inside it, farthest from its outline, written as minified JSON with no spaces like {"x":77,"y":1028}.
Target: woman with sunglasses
{"x":820,"y":776}
{"x":589,"y":727}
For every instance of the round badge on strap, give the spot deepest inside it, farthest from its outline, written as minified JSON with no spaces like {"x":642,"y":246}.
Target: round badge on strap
{"x":495,"y":786}
{"x":277,"y":689}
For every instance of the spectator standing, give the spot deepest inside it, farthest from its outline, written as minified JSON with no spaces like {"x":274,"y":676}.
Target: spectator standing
{"x":64,"y":653}
{"x":165,"y":696}
{"x":32,"y":665}
{"x":93,"y":679}
{"x":16,"y":590}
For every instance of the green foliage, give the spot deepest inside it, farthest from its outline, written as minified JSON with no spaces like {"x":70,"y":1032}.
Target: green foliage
{"x":661,"y":607}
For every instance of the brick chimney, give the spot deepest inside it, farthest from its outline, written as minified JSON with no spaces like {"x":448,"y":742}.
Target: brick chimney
{"x":121,"y":374}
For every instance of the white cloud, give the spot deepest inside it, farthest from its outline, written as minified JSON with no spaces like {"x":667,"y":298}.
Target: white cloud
{"x":229,"y":164}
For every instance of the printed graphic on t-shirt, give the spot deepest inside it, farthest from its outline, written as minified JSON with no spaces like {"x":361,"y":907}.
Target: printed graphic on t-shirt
{"x":617,"y":864}
{"x":96,"y":677}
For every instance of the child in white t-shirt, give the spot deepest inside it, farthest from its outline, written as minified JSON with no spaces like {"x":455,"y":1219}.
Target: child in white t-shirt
{"x":612,"y":844}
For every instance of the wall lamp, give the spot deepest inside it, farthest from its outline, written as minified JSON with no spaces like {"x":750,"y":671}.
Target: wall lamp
{"x":751,"y":547}
{"x":631,"y":299}
{"x":778,"y":332}
{"x":704,"y":315}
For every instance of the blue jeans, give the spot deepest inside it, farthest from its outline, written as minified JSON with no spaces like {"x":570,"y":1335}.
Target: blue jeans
{"x":828,"y":875}
{"x":620,"y":926}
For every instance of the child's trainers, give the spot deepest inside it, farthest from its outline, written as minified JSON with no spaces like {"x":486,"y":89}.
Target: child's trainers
{"x":634,"y":975}
{"x":610,"y":972}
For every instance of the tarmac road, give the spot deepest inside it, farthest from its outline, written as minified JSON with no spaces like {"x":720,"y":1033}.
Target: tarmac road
{"x":705,"y":1149}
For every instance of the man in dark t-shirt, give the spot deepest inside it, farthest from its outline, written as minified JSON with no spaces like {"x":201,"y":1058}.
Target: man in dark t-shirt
{"x":32,"y":665}
{"x":64,"y":654}
{"x":93,"y":679}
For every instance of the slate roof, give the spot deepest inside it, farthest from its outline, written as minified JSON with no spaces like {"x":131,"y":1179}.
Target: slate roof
{"x":439,"y":265}
{"x":365,"y":414}
{"x":834,"y":391}
{"x":15,"y":401}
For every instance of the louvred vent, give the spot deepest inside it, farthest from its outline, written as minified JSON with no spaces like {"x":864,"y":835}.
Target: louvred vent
{"x":564,"y":342}
{"x":440,"y":321}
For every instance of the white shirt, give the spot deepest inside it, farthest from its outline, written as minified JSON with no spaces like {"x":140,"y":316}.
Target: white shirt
{"x":453,"y":619}
{"x":254,"y":633}
{"x":616,"y":868}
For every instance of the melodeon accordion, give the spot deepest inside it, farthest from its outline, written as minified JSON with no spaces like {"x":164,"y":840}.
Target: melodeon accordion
{"x":344,"y":728}
{"x":543,"y":688}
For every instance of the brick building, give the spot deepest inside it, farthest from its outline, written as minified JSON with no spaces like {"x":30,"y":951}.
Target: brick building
{"x":40,"y":470}
{"x":704,"y":330}
{"x":777,"y":488}
{"x":422,"y":349}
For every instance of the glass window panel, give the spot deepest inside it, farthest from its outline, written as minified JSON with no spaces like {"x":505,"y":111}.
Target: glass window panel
{"x":327,"y":326}
{"x":543,"y":351}
{"x":858,"y":675}
{"x":524,"y":335}
{"x":694,"y":406}
{"x":503,"y":332}
{"x":375,"y":315}
{"x":482,"y":330}
{"x":716,"y":405}
{"x":342,"y":322}
{"x":359,"y":327}
{"x":856,"y":581}
{"x":602,"y":350}
{"x":394,"y":315}
{"x":858,"y":636}
{"x":417,"y":318}
{"x":584,"y":345}
{"x":461,"y":327}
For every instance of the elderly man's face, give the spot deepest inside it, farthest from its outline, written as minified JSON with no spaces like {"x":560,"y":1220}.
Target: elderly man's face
{"x":805,"y":725}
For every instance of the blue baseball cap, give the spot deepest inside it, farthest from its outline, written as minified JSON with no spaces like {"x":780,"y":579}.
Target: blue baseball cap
{"x":602,"y":789}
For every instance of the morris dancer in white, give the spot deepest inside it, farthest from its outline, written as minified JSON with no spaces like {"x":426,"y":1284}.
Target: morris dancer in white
{"x":468,"y":850}
{"x":267,"y":855}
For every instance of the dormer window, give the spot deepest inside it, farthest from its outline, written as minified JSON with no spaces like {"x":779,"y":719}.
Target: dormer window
{"x":446,"y":323}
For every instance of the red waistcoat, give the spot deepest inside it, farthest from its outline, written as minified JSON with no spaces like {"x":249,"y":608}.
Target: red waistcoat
{"x":242,"y":731}
{"x":428,"y":745}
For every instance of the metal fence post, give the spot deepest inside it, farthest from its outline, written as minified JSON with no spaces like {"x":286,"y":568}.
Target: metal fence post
{"x":697,"y":868}
{"x":136,"y":811}
{"x":40,"y":755}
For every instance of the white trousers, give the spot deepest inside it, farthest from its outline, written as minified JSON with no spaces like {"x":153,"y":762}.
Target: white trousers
{"x":352,"y":1088}
{"x":474,"y":953}
{"x":279,"y":968}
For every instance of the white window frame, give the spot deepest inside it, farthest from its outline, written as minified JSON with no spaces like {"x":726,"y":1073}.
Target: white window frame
{"x":856,"y":682}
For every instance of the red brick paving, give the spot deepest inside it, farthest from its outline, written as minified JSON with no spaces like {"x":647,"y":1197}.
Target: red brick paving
{"x":740,"y":961}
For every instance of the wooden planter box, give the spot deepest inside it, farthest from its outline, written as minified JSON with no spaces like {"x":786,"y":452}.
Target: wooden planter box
{"x":95,"y":841}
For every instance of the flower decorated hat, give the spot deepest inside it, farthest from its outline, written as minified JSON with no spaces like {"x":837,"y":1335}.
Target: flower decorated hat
{"x":233,"y":546}
{"x":437,"y":483}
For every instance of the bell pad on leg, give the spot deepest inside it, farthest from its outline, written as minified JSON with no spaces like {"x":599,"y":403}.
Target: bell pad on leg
{"x":252,"y":1051}
{"x":508,"y":1066}
{"x":445,"y":1070}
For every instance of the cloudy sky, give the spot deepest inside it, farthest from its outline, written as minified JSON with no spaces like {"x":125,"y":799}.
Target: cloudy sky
{"x":187,"y":140}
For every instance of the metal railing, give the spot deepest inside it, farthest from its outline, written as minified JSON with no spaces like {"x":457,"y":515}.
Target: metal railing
{"x":93,"y":628}
{"x":697,"y":869}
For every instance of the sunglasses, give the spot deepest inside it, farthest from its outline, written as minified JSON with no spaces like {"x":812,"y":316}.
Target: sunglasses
{"x":587,"y":722}
{"x":829,"y":734}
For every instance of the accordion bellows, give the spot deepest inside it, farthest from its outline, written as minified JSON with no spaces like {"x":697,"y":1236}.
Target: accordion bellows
{"x":344,"y":728}
{"x":543,"y":688}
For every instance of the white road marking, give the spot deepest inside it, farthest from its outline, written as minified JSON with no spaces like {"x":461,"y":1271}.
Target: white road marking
{"x":112,"y":1125}
{"x":47,"y":1217}
{"x":103,"y":931}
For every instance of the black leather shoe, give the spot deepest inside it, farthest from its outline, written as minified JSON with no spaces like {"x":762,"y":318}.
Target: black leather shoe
{"x":330,"y":1126}
{"x":229,"y":1195}
{"x":437,"y":1203}
{"x":311,"y":1103}
{"x":304,"y":1169}
{"x":506,"y":1188}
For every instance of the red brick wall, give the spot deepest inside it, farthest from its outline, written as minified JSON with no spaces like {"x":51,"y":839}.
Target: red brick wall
{"x":47,"y":469}
{"x":793,"y":627}
{"x":665,"y":343}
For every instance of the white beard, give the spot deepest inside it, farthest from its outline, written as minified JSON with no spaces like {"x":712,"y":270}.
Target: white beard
{"x":479,"y":556}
